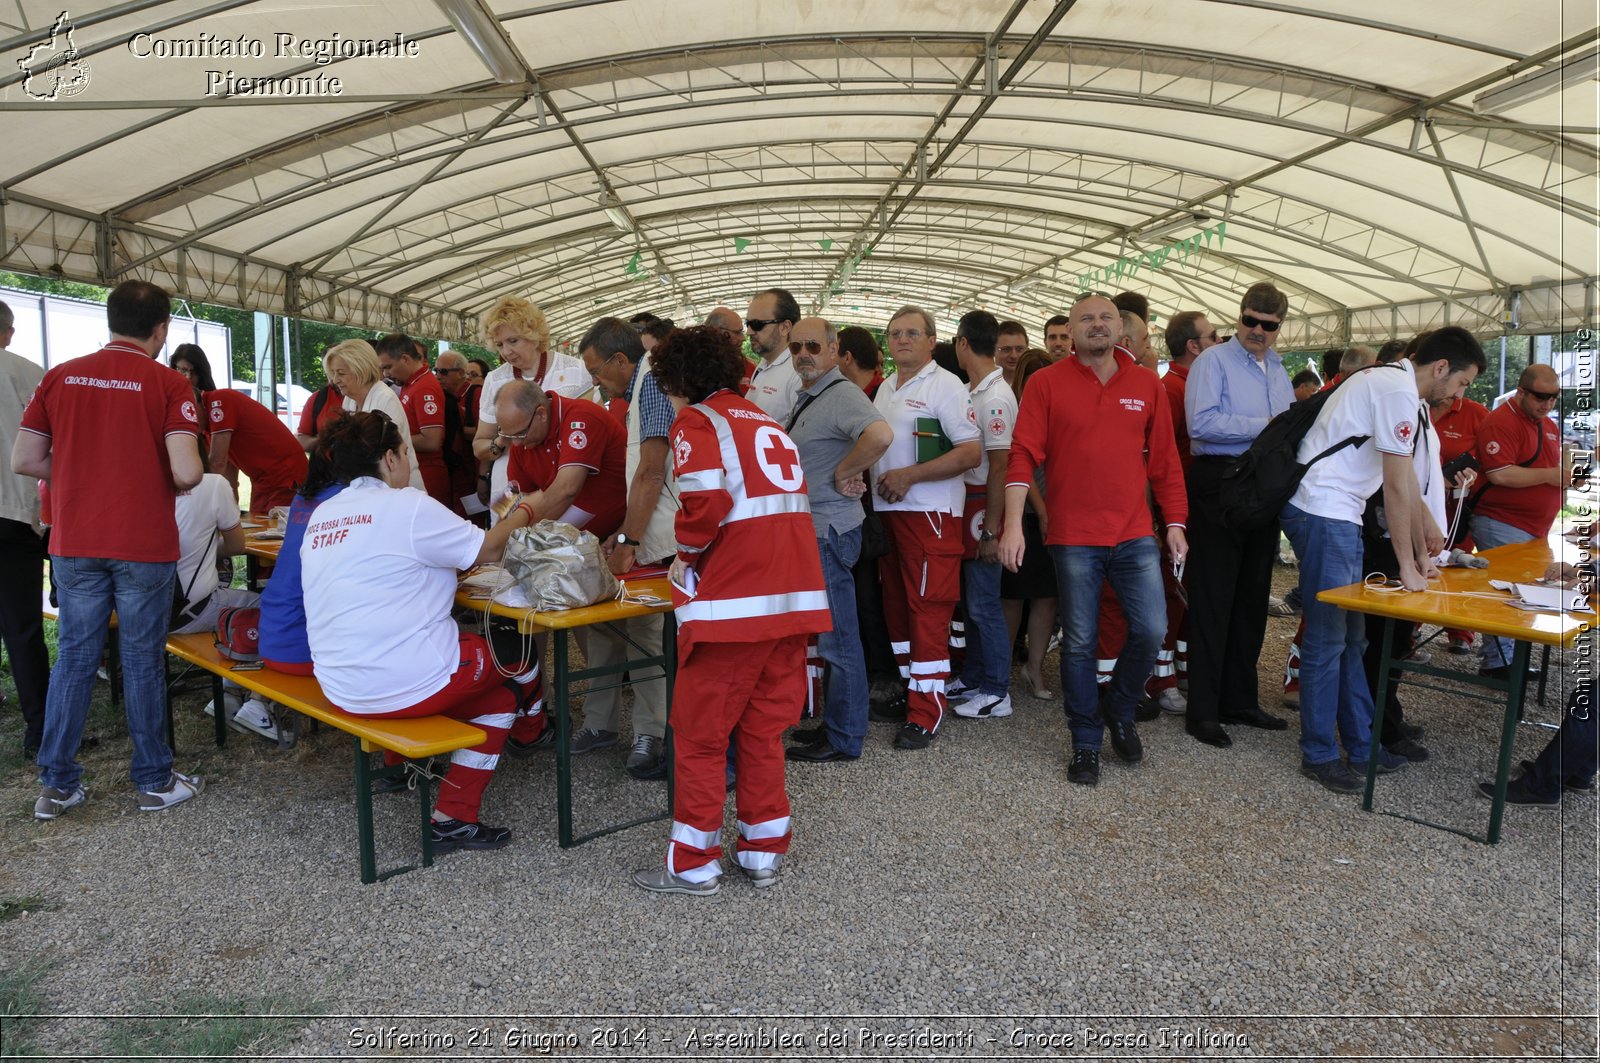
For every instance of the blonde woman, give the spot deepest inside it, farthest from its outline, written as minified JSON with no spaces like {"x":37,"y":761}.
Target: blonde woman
{"x":352,"y":367}
{"x":517,"y":331}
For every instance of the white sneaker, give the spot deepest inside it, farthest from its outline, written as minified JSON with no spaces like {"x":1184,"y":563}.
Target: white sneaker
{"x":53,"y":802}
{"x":984,"y":707}
{"x":179,"y":789}
{"x":231,"y":703}
{"x":254,"y":715}
{"x":1171,"y":700}
{"x":956,"y":688}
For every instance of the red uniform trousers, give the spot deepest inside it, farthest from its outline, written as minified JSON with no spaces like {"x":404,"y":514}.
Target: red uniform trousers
{"x":751,"y":692}
{"x":436,"y":481}
{"x":265,"y":495}
{"x":531,"y":720}
{"x":480,"y":695}
{"x":921,"y":577}
{"x":1172,"y":661}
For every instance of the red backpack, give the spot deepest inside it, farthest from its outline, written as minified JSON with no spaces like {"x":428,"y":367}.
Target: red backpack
{"x":238,"y":633}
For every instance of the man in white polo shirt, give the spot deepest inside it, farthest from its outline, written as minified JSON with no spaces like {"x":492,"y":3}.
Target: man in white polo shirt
{"x":920,"y":500}
{"x":774,"y":386}
{"x":1381,"y":407}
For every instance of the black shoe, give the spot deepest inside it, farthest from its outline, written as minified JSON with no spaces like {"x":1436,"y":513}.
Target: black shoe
{"x":913,"y":737}
{"x":1517,"y":793}
{"x":1412,"y":731}
{"x":393,"y":784}
{"x":1409,"y":748}
{"x":1085,"y":767}
{"x":452,"y":834}
{"x":1254,"y":716}
{"x":1503,"y":673}
{"x":526,"y":749}
{"x":1208,"y":732}
{"x":1576,"y":786}
{"x":1148,"y":709}
{"x":1125,"y":740}
{"x":821,"y":753}
{"x":891,"y":712}
{"x":816,"y":736}
{"x":1335,"y":775}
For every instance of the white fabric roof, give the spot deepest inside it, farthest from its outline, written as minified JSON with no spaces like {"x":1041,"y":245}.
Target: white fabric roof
{"x":777,"y":142}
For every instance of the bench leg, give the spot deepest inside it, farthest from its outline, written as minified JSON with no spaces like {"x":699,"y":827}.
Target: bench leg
{"x":563,"y":743}
{"x":369,"y":860}
{"x":425,"y":793}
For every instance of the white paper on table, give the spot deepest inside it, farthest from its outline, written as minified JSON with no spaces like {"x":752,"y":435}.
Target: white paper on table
{"x":472,"y":506}
{"x":1554,"y":597}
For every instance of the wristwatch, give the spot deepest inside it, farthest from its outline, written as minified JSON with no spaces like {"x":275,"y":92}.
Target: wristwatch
{"x":623,"y":540}
{"x":496,"y":449}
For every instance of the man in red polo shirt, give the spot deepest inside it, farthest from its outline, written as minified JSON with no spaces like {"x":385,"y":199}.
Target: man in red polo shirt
{"x":569,"y":458}
{"x":250,"y":437}
{"x":1098,"y":409}
{"x":114,"y":433}
{"x":1457,"y":425}
{"x":1519,"y":447}
{"x":422,"y":397}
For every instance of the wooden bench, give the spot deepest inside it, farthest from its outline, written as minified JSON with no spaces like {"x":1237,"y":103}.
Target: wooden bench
{"x":414,"y":739}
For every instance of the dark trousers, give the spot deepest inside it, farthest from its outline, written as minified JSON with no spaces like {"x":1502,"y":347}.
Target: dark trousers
{"x":1570,"y":756}
{"x":21,"y":625}
{"x":1380,"y":558}
{"x":874,"y":630}
{"x":1229,"y":576}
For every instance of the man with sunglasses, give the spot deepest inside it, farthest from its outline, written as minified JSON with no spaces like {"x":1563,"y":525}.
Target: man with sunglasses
{"x":774,"y":385}
{"x":839,"y":435}
{"x":1519,"y":445}
{"x":1233,"y":389}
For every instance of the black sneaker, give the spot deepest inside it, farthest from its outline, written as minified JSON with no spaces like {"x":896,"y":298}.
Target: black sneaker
{"x":893,"y":711}
{"x":1125,"y":740}
{"x":1519,"y":793}
{"x":1335,"y":775}
{"x":912,"y":736}
{"x":1085,"y":767}
{"x":1148,"y":709}
{"x":1577,"y":786}
{"x":1409,"y":748}
{"x":526,"y":749}
{"x":452,"y":834}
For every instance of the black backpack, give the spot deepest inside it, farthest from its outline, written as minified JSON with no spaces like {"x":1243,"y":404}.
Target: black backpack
{"x":1258,"y":483}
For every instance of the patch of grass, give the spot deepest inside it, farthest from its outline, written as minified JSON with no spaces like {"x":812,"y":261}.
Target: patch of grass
{"x":205,"y":1026}
{"x":20,"y":996}
{"x":12,"y":907}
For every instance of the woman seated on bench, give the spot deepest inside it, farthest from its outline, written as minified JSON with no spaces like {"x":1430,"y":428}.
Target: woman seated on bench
{"x":378,"y":569}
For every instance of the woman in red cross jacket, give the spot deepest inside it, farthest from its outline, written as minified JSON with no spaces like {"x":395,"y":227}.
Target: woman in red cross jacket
{"x":748,"y":587}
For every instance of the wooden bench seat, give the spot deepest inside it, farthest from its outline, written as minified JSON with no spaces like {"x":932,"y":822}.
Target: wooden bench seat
{"x":414,"y":739}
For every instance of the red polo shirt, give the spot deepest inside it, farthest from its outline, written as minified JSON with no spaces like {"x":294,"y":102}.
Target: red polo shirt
{"x":1457,"y":425}
{"x":1101,"y":445}
{"x":107,"y":416}
{"x":1177,"y":382}
{"x":422,"y":397}
{"x":581,"y":433}
{"x":1510,"y":437}
{"x":262,"y":446}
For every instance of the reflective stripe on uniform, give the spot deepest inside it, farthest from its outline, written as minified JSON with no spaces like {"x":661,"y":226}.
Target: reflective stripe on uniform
{"x":759,"y":605}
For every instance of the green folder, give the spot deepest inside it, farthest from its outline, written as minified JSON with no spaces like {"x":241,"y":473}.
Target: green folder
{"x":931,"y":440}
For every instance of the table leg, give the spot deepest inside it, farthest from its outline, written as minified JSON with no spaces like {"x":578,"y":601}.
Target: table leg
{"x":1508,"y":731}
{"x":1379,"y":698}
{"x":563,"y":742}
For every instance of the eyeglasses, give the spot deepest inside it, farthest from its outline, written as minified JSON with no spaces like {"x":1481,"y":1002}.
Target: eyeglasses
{"x":1255,"y":322}
{"x":1543,"y":396}
{"x":1212,"y":336}
{"x":906,"y":334}
{"x":518,"y":437}
{"x":755,"y":324}
{"x":809,"y":346}
{"x":437,"y":371}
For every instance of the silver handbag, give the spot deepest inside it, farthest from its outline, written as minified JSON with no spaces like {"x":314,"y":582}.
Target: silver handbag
{"x":559,"y":567}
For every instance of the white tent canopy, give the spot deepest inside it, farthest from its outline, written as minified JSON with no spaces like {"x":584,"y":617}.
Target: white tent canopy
{"x":1391,"y":166}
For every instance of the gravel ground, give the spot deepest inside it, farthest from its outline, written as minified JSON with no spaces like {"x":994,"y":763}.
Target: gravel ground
{"x":1204,"y":902}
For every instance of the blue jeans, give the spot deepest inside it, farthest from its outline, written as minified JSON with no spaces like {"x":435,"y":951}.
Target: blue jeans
{"x":1133,"y":569}
{"x":988,"y":667}
{"x":844,"y":714}
{"x":87,"y":590}
{"x":1488,"y":533}
{"x":1334,"y":694}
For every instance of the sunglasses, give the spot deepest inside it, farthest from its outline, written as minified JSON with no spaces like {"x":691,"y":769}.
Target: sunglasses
{"x":755,"y":324}
{"x":1543,"y":396}
{"x":811,"y":347}
{"x":1255,"y":322}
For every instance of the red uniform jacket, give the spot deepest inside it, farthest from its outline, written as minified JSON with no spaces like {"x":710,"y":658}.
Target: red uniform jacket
{"x":1101,"y":446}
{"x":1177,"y":382}
{"x":745,"y":527}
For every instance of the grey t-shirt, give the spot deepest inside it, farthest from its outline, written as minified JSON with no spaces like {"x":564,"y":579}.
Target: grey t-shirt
{"x":830,"y":421}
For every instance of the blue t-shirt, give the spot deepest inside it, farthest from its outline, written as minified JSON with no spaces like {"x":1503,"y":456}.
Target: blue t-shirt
{"x":283,"y":607}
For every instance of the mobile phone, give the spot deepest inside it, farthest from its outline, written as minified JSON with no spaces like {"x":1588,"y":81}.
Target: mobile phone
{"x":1458,"y":463}
{"x":246,"y":666}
